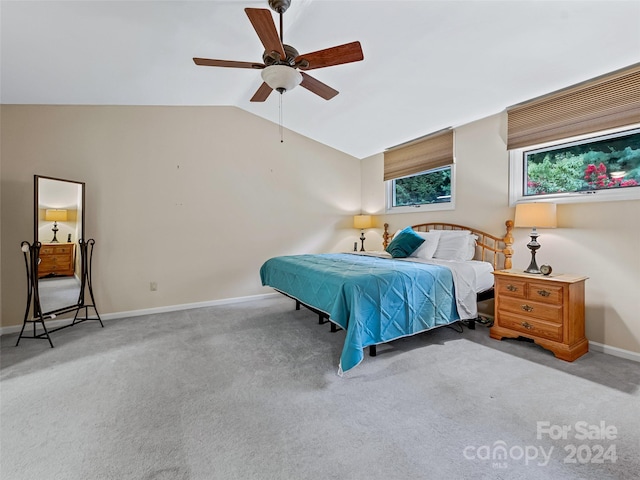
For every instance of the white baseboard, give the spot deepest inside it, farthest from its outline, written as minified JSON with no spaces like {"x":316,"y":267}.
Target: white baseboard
{"x":616,"y":352}
{"x":151,"y":311}
{"x":187,"y":306}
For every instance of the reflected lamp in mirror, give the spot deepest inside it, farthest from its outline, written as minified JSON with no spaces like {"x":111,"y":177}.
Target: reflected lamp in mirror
{"x":535,"y":215}
{"x":55,"y":215}
{"x":362,"y":222}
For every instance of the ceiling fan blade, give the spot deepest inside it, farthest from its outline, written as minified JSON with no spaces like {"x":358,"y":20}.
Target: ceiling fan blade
{"x":317,"y":87}
{"x":347,"y":53}
{"x":262,"y":93}
{"x":262,"y":22}
{"x":207,"y":62}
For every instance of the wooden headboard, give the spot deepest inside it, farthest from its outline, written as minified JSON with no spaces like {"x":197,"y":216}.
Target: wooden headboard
{"x":489,"y":248}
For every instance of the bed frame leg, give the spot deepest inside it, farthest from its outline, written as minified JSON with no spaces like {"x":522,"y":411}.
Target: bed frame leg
{"x":297,"y":305}
{"x":472,"y":324}
{"x":372,"y":350}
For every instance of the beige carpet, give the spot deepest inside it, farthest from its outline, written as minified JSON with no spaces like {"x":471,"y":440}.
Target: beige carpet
{"x":250,"y":391}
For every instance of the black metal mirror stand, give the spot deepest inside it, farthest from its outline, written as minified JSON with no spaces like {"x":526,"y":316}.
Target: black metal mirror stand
{"x":31,"y":259}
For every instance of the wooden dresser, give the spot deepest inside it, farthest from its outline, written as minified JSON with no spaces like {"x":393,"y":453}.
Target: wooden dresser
{"x":547,"y":309}
{"x":56,"y":259}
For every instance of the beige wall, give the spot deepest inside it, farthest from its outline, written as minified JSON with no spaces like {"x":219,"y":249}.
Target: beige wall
{"x":600,"y":240}
{"x":193,"y":198}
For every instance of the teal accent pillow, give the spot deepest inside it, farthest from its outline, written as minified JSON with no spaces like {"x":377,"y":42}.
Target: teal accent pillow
{"x":404,"y":243}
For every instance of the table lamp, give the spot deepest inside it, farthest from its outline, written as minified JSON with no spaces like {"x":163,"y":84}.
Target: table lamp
{"x":55,"y":215}
{"x":362,"y":222}
{"x":535,"y":215}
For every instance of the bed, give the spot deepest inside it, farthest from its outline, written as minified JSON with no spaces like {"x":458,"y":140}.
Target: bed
{"x":376,"y":297}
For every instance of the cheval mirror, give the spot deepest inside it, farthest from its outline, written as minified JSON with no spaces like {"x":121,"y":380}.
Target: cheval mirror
{"x":58,"y":263}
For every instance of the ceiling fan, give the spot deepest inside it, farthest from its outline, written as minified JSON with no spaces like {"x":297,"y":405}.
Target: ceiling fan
{"x":283,"y":67}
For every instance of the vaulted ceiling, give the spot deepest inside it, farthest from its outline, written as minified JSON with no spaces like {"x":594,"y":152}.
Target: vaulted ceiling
{"x":427,"y":64}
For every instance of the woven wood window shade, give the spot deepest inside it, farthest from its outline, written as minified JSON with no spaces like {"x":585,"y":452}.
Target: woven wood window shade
{"x":425,"y":153}
{"x":605,"y":102}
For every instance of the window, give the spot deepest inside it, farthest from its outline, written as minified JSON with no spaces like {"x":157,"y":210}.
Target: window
{"x":578,"y":144}
{"x":430,"y":190}
{"x":575,"y":170}
{"x":420,"y":173}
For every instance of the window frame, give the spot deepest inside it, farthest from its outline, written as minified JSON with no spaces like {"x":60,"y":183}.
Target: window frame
{"x":517,"y":176}
{"x":424,"y":207}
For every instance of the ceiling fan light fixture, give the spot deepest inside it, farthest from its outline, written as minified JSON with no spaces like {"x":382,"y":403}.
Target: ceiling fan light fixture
{"x":281,"y":77}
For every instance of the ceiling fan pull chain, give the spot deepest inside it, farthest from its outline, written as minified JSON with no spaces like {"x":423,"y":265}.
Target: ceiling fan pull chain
{"x":280,"y":120}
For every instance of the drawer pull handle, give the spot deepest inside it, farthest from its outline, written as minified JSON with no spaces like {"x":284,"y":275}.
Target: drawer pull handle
{"x":544,"y":293}
{"x":526,"y":325}
{"x":512,"y":288}
{"x":527,"y":308}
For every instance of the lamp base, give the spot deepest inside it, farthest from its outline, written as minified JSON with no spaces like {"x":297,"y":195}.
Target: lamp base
{"x":362,"y":239}
{"x":533,"y":245}
{"x":55,"y":233}
{"x":533,"y":269}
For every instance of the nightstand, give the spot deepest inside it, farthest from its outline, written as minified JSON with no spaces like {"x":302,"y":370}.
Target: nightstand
{"x":546,"y":309}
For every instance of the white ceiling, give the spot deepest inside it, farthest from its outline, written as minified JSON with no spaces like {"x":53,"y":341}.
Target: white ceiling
{"x":428,"y":64}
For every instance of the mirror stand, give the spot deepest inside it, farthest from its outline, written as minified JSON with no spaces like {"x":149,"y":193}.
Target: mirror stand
{"x":31,"y":254}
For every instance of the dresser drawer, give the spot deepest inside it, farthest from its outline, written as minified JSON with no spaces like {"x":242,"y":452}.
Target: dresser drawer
{"x":529,"y":309}
{"x":529,"y":326}
{"x":64,"y":249}
{"x":543,"y":292}
{"x":62,"y":266}
{"x":54,"y":259}
{"x":512,"y":288}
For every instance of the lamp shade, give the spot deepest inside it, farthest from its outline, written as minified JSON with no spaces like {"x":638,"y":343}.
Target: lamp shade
{"x":55,"y":215}
{"x":281,"y":77}
{"x":539,"y":215}
{"x":362,"y":221}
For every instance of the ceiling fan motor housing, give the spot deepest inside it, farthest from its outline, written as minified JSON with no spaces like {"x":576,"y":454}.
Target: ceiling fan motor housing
{"x":273,"y":58}
{"x":279,"y":6}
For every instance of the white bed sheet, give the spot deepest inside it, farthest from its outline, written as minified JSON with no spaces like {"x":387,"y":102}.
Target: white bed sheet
{"x":484,"y":275}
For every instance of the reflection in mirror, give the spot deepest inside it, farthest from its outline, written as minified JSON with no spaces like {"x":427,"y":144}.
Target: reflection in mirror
{"x":58,"y":225}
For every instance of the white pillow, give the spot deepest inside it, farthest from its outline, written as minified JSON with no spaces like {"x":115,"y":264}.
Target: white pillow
{"x":455,"y":245}
{"x":428,"y":247}
{"x":471,"y":252}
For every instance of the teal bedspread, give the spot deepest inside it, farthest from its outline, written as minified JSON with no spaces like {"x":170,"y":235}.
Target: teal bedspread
{"x":375,"y":300}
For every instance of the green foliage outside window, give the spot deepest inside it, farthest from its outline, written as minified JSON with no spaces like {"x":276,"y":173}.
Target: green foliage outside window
{"x":430,"y":187}
{"x":613,"y":162}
